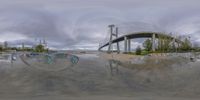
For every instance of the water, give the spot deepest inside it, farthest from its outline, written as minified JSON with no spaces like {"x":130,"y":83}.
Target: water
{"x":96,"y":77}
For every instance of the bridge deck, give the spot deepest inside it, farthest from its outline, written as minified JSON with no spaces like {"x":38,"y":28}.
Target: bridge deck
{"x":139,"y":35}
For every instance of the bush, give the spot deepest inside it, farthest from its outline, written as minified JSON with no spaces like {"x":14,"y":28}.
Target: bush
{"x":1,"y":48}
{"x":147,"y":45}
{"x":39,"y":48}
{"x":138,"y":50}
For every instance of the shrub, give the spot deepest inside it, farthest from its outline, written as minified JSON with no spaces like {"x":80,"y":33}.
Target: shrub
{"x":138,"y":50}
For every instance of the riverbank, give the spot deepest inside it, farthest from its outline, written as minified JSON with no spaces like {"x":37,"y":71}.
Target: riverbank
{"x":155,"y":56}
{"x":119,"y":57}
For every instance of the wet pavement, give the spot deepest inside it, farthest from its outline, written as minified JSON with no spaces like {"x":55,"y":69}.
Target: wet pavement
{"x":95,"y":78}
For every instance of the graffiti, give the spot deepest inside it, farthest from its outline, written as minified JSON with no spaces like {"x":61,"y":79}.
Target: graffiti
{"x":52,"y":58}
{"x":74,"y":59}
{"x":50,"y":62}
{"x":49,"y":59}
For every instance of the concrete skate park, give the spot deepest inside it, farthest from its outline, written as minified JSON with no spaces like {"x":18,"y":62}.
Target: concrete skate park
{"x":95,"y":76}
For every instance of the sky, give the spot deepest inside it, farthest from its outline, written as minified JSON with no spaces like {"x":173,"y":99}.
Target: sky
{"x":83,"y":24}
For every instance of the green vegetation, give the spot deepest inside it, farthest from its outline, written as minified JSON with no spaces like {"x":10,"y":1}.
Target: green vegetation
{"x":148,"y":45}
{"x":186,"y":46}
{"x":165,"y":45}
{"x":138,"y":50}
{"x":40,"y":48}
{"x":143,"y":52}
{"x":1,"y":48}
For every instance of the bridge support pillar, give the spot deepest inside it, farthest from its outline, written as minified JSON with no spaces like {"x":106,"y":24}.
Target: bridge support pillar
{"x":125,"y":44}
{"x":153,"y":42}
{"x":129,"y":45}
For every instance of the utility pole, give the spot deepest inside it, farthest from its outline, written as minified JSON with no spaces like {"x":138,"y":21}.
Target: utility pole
{"x":23,"y":46}
{"x":5,"y":45}
{"x":40,"y":42}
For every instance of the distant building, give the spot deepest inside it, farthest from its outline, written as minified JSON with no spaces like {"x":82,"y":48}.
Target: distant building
{"x":23,"y":46}
{"x":4,"y":44}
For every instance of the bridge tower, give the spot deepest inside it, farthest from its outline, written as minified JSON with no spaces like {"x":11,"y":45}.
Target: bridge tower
{"x":115,"y":34}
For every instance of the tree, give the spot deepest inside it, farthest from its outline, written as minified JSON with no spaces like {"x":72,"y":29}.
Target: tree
{"x":186,"y":45}
{"x":164,"y":43}
{"x":39,"y":48}
{"x":147,"y":45}
{"x":1,"y":48}
{"x":160,"y":43}
{"x":138,"y":50}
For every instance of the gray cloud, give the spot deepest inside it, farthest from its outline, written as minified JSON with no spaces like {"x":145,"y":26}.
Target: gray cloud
{"x":75,"y":24}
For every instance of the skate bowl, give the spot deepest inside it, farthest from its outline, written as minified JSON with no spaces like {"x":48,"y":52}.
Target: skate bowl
{"x":50,"y":62}
{"x":38,"y":77}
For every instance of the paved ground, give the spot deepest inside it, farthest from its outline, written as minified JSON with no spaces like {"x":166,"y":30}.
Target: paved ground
{"x":94,"y":78}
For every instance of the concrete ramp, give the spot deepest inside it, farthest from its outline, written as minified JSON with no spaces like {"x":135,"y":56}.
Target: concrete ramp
{"x":94,"y":78}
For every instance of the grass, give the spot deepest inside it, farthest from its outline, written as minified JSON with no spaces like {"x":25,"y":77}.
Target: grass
{"x":144,"y":52}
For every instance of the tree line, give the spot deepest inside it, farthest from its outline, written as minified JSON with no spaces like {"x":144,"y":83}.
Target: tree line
{"x":37,"y":48}
{"x":166,"y":44}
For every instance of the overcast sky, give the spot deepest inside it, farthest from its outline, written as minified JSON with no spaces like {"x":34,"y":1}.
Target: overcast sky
{"x":82,"y":24}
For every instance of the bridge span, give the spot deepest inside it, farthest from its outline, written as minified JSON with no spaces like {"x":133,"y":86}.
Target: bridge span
{"x":127,"y":39}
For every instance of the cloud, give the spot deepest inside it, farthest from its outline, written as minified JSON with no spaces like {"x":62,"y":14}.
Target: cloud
{"x":10,"y":36}
{"x":74,"y":24}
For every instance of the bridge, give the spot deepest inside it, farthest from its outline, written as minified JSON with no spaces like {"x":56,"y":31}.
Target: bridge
{"x":127,"y":39}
